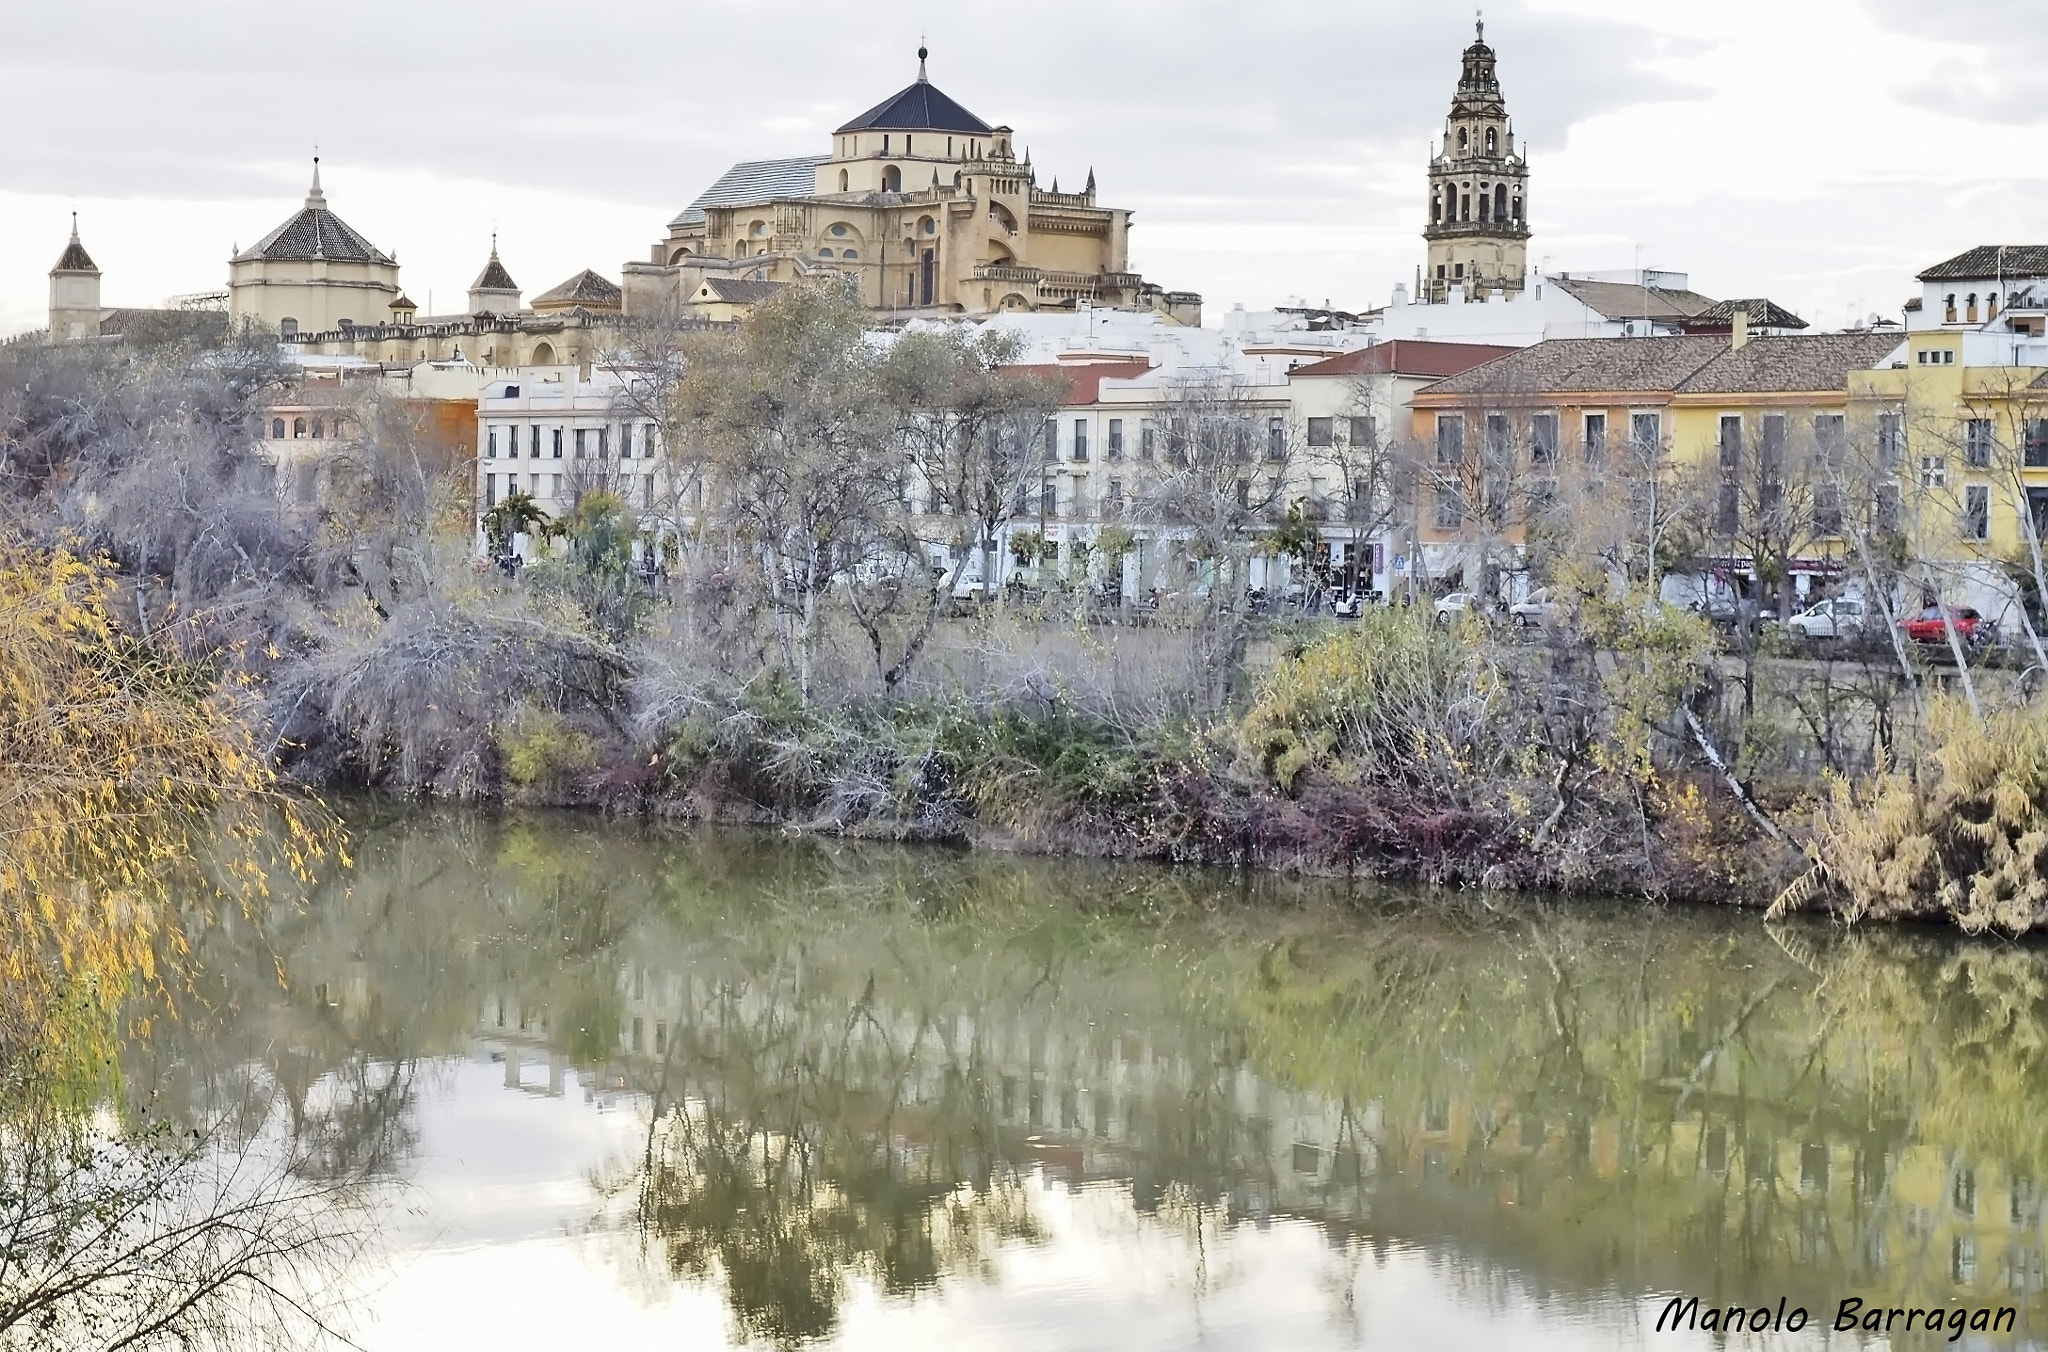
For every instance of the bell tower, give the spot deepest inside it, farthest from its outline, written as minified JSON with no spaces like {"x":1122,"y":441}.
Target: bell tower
{"x":74,"y":293}
{"x":1478,"y":229}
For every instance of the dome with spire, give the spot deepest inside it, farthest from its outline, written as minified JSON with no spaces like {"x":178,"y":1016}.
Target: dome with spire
{"x":75,"y":258}
{"x":1478,"y":92}
{"x":919,"y":106}
{"x":313,"y":233}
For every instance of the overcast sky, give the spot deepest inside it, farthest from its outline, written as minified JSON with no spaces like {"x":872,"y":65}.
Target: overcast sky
{"x":1816,"y":151}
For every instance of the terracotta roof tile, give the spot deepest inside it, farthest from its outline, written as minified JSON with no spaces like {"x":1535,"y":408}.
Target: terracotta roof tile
{"x":1991,"y":260}
{"x":1625,"y":300}
{"x":1588,"y":365}
{"x":1406,"y":357}
{"x":587,"y":289}
{"x":314,"y":232}
{"x":1790,"y":363}
{"x":1084,"y":382}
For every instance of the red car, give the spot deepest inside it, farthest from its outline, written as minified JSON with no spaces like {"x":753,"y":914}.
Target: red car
{"x":1927,"y":626}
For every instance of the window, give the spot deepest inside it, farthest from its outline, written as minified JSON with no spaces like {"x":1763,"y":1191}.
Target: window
{"x":579,"y":442}
{"x":1450,"y":509}
{"x":1080,"y":438}
{"x":1492,"y":140}
{"x":558,"y":443}
{"x":490,"y":442}
{"x":1364,"y":433}
{"x":287,"y":328}
{"x":1500,"y":201}
{"x":1977,"y":443}
{"x":1891,"y":439}
{"x":1115,"y":504}
{"x":1322,"y":432}
{"x":1886,"y":507}
{"x":490,"y":490}
{"x":1276,"y":438}
{"x":1727,"y":508}
{"x":2034,"y":442}
{"x":1148,"y":439}
{"x":1052,"y":438}
{"x":1496,"y":437}
{"x":1543,"y":438}
{"x":1772,"y":451}
{"x":1244,"y":493}
{"x":1049,"y":501}
{"x":1937,"y":356}
{"x":1827,"y":509}
{"x":1645,"y":432}
{"x":1933,"y":471}
{"x":1116,"y":438}
{"x":277,"y":429}
{"x":1828,"y":439}
{"x":298,"y":428}
{"x":1450,"y":438}
{"x":1596,"y":438}
{"x":601,"y":442}
{"x":1464,"y":139}
{"x":1976,"y":512}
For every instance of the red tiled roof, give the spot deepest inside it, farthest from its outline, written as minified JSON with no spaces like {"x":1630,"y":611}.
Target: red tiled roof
{"x":1084,"y":383}
{"x":1406,"y":357}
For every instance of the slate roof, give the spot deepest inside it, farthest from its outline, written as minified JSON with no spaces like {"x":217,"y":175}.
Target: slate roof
{"x":1406,"y":357}
{"x":1763,"y":314}
{"x":1683,"y":364}
{"x":740,"y":290}
{"x":587,"y":289}
{"x":1589,"y":365}
{"x":920,"y":106}
{"x":315,"y":232}
{"x":494,"y":277}
{"x":75,"y":259}
{"x":752,"y":181}
{"x":1790,"y":363}
{"x":1991,"y":260}
{"x":1626,"y":300}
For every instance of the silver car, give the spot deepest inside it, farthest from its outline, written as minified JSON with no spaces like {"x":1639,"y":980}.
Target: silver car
{"x":1838,"y":618}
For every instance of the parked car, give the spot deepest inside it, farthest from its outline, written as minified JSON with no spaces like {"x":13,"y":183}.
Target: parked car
{"x":1929,"y":626}
{"x":1730,"y":612}
{"x":1457,"y":606}
{"x":1838,"y":618}
{"x":1538,"y":609}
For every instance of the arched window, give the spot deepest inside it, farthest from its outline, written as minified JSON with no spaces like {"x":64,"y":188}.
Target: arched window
{"x":1492,"y":143}
{"x":543,"y":355}
{"x":319,"y":429}
{"x":824,"y":253}
{"x":277,"y":429}
{"x":298,"y":428}
{"x":1485,"y":203}
{"x":1436,"y":205}
{"x":1464,"y":140}
{"x":892,"y":179}
{"x":849,"y":253}
{"x":1970,"y":314}
{"x":1464,"y":206}
{"x":839,"y":229}
{"x":1517,"y":218}
{"x":1950,"y":305}
{"x":1500,"y":201}
{"x":759,"y":229}
{"x":842,"y":180}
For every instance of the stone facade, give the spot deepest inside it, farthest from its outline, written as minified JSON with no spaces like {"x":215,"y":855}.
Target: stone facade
{"x":312,"y":274}
{"x":924,"y":208}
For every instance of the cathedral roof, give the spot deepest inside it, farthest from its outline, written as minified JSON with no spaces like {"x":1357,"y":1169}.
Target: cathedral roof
{"x":1478,"y":84}
{"x":752,"y":181}
{"x":315,"y":232}
{"x":586,"y":289}
{"x":494,"y":277}
{"x":75,"y":258}
{"x":920,"y":106}
{"x":1760,"y":311}
{"x":1991,"y":260}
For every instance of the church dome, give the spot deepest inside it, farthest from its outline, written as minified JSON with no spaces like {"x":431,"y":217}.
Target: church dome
{"x":314,"y":233}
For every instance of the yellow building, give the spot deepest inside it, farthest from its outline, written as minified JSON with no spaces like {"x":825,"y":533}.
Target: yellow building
{"x":1748,"y":440}
{"x":924,"y":206}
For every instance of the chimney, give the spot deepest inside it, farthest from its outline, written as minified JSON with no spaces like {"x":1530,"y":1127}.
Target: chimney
{"x":1739,"y":334}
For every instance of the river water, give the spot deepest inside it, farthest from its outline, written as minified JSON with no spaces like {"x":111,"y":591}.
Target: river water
{"x":708,"y":1089}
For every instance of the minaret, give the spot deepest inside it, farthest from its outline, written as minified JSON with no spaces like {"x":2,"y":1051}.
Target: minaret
{"x":1478,"y":229}
{"x":494,"y":292}
{"x":74,"y":292}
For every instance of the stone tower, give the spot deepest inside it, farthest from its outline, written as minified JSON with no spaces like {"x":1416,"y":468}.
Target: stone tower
{"x":1478,"y":228}
{"x":494,"y":292}
{"x":74,"y":293}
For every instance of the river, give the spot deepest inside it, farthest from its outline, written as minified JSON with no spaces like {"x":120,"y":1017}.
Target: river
{"x":705,"y":1089}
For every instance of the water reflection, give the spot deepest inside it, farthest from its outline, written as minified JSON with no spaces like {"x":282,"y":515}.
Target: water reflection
{"x":859,"y":1068}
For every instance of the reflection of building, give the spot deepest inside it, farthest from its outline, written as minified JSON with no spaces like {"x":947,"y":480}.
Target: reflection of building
{"x":921,"y":206}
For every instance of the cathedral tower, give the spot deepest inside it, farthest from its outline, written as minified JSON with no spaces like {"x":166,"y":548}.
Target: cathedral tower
{"x":75,"y":292}
{"x":1478,"y":228}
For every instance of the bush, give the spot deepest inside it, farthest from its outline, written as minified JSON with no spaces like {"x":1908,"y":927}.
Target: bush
{"x":544,"y":750}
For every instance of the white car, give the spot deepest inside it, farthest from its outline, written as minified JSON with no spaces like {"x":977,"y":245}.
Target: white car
{"x":1840,"y":618}
{"x":1457,"y":606}
{"x":1538,"y":609}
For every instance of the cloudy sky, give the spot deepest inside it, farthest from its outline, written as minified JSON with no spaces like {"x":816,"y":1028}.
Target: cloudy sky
{"x":1816,"y":151}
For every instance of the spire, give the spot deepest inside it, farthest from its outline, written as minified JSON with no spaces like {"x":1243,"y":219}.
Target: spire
{"x":922,"y":53}
{"x":315,"y":199}
{"x":74,"y":257}
{"x":1091,"y":178}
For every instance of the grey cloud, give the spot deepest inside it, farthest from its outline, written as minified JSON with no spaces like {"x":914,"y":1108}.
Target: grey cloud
{"x":2010,"y":40}
{"x":634,"y":100}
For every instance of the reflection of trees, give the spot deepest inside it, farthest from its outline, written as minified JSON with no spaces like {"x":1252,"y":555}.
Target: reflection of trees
{"x":857,"y":1059}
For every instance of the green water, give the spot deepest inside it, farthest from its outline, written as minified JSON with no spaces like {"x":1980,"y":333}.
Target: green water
{"x":726,"y":1089}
